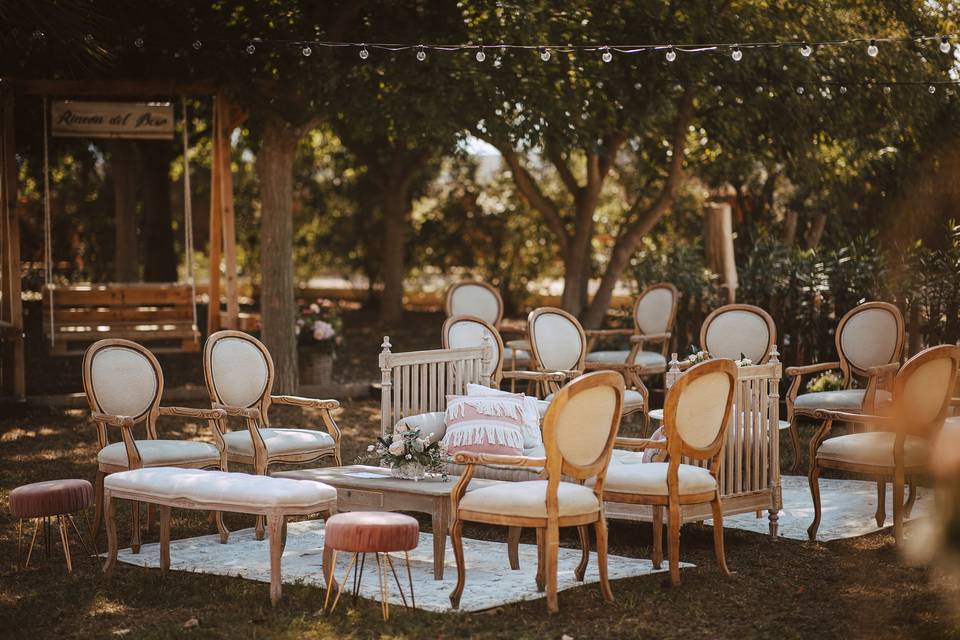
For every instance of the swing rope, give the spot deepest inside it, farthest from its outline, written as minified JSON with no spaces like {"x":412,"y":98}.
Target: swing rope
{"x":188,"y":218}
{"x":47,"y":233}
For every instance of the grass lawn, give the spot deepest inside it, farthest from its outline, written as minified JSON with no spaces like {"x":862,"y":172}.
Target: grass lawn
{"x":780,"y":589}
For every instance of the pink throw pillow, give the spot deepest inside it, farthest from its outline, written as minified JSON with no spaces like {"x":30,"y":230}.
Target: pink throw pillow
{"x":484,"y":425}
{"x":650,"y":452}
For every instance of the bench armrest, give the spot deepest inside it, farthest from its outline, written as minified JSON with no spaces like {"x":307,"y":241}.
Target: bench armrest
{"x":466,"y":457}
{"x":310,"y":403}
{"x":811,"y":368}
{"x":544,"y":376}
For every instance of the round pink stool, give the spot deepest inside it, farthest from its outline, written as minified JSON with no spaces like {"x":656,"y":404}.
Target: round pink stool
{"x":377,"y":532}
{"x":41,"y":501}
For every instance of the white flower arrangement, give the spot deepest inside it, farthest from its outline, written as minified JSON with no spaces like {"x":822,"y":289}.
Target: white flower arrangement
{"x":702,"y":355}
{"x":407,"y":447}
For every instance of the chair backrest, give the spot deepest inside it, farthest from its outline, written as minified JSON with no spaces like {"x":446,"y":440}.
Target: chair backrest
{"x":556,"y":339}
{"x":469,"y":331}
{"x":122,"y":378}
{"x":696,"y":413}
{"x":869,"y":335}
{"x":656,"y":308}
{"x":739,"y":328}
{"x":474,"y":298}
{"x":238,"y":371}
{"x":580,"y":426}
{"x":923,"y":388}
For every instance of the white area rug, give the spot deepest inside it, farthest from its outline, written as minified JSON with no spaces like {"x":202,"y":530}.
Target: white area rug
{"x":848,"y":509}
{"x":490,"y":581}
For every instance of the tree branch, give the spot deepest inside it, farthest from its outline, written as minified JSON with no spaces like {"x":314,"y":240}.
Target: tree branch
{"x":566,"y":175}
{"x":530,"y":190}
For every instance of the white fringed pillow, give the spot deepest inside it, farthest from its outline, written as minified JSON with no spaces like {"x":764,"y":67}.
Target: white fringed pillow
{"x":484,"y":424}
{"x":532,"y":438}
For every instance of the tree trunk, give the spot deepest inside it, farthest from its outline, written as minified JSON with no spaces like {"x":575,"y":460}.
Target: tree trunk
{"x":124,"y":166}
{"x":277,"y":304}
{"x":393,"y":266}
{"x":160,"y":258}
{"x":718,"y":245}
{"x":790,"y":228}
{"x":815,"y":232}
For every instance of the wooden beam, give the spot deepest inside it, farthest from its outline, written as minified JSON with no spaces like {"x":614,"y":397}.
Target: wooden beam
{"x":216,"y":232}
{"x":114,"y":88}
{"x":229,"y":227}
{"x":11,"y":306}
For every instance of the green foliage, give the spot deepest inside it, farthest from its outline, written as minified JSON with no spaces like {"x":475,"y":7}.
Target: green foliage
{"x":826,"y":381}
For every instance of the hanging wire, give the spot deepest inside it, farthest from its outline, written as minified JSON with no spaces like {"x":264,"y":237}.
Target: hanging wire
{"x":47,"y":222}
{"x":188,"y":215}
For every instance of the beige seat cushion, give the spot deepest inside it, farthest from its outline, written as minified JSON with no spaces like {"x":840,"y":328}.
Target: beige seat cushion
{"x":646,"y":359}
{"x":844,"y":400}
{"x":159,"y":453}
{"x":629,"y":474}
{"x":221,"y":487}
{"x":530,"y":499}
{"x":279,"y":441}
{"x":872,"y":448}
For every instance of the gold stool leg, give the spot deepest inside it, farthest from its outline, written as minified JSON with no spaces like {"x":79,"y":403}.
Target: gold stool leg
{"x":76,"y":530}
{"x":65,"y":541}
{"x":33,"y":540}
{"x":19,"y":540}
{"x":382,"y":581}
{"x":403,"y":598}
{"x":346,"y":574}
{"x":333,"y":566}
{"x":413,"y":598}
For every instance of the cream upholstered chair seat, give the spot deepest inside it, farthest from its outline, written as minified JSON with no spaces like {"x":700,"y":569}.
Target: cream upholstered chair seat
{"x":161,"y":453}
{"x":222,"y":487}
{"x":529,"y":499}
{"x":841,"y":400}
{"x":874,"y":448}
{"x":278,"y":440}
{"x":646,"y":359}
{"x":628,"y":474}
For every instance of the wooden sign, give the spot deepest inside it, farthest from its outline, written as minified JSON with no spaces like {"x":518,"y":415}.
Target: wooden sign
{"x":112,"y":120}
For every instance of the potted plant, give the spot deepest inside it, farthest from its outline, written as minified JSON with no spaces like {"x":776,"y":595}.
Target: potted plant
{"x":318,"y":335}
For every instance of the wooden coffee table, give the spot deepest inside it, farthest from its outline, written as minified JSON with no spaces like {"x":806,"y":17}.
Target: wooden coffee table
{"x":359,"y":490}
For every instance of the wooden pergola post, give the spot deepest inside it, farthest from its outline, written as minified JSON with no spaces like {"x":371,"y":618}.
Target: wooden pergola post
{"x":223,"y":235}
{"x":13,"y":377}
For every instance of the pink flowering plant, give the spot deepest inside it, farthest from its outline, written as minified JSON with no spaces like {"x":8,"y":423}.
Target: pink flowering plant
{"x":319,"y":325}
{"x":406,"y":447}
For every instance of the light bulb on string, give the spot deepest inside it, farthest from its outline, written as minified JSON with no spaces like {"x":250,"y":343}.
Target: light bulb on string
{"x":843,"y":89}
{"x":481,"y":55}
{"x":88,"y":38}
{"x":671,"y":54}
{"x":800,"y":90}
{"x":306,"y":51}
{"x":805,"y":50}
{"x":544,"y":54}
{"x":251,"y":48}
{"x":421,"y":53}
{"x":138,"y":43}
{"x":196,"y":45}
{"x":944,"y":44}
{"x":886,"y":89}
{"x":932,"y":89}
{"x":736,"y":54}
{"x":364,"y":52}
{"x":607,"y":56}
{"x":872,"y":49}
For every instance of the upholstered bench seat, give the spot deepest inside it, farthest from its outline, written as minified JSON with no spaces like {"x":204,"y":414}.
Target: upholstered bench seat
{"x":158,"y":453}
{"x":275,"y":498}
{"x":278,"y":441}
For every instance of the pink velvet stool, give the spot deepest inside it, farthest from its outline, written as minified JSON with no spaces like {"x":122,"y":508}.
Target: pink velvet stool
{"x":41,"y":501}
{"x":377,"y":532}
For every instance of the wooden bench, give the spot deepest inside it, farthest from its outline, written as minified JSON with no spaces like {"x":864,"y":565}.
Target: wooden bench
{"x":275,"y":498}
{"x":160,"y":314}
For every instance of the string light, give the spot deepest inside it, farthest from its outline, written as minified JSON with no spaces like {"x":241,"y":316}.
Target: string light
{"x":872,"y":49}
{"x":736,"y":54}
{"x":944,"y":44}
{"x":306,"y":51}
{"x":88,"y":38}
{"x":544,"y":54}
{"x":196,"y":45}
{"x":671,"y":55}
{"x":607,"y":55}
{"x":421,"y":53}
{"x":800,"y":90}
{"x":931,"y":89}
{"x":805,"y":50}
{"x":138,"y":43}
{"x":251,"y":48}
{"x":364,"y":53}
{"x":481,"y":56}
{"x":843,"y":89}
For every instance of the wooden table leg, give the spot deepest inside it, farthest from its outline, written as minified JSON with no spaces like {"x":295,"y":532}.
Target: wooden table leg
{"x":275,"y":525}
{"x":111,"y":518}
{"x":164,"y":538}
{"x":440,"y":522}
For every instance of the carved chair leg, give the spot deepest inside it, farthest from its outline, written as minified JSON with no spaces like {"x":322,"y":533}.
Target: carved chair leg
{"x":151,"y":516}
{"x":456,"y":541}
{"x":814,"y":479}
{"x":552,"y":544}
{"x":135,"y":528}
{"x":259,"y":528}
{"x":110,"y":513}
{"x":718,"y":535}
{"x":898,"y":487}
{"x":600,"y":528}
{"x":673,"y":542}
{"x":795,"y":443}
{"x":657,"y":533}
{"x":275,"y":524}
{"x":164,"y":538}
{"x":221,"y":527}
{"x":911,"y":498}
{"x":98,"y":509}
{"x":513,"y":546}
{"x":581,"y":570}
{"x":541,"y":546}
{"x":881,"y":514}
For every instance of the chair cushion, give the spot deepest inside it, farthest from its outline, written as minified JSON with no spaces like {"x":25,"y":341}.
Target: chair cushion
{"x":532,"y":436}
{"x":873,"y":448}
{"x":161,"y":453}
{"x":371,"y":532}
{"x":629,"y":474}
{"x":485,"y":424}
{"x":844,"y":400}
{"x":50,"y":498}
{"x":530,"y":499}
{"x":221,"y":487}
{"x":279,"y":441}
{"x":647,"y":359}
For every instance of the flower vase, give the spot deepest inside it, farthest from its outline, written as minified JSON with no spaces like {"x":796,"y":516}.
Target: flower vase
{"x":409,"y":471}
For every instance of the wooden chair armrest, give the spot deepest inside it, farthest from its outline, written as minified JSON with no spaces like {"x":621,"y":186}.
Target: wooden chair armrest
{"x":251,"y":413}
{"x":312,"y":403}
{"x":125,"y":422}
{"x":955,"y":402}
{"x":612,"y":366}
{"x":883,"y":370}
{"x":545,"y":376}
{"x":639,"y":443}
{"x":521,"y":344}
{"x":811,"y":368}
{"x":190,"y":412}
{"x":846,"y":416}
{"x":468,"y":457}
{"x":650,"y":337}
{"x":605,"y":333}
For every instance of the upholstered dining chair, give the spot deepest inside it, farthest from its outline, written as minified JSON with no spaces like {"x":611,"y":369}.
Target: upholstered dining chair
{"x":736,"y":329}
{"x":123,"y":383}
{"x":558,"y":344}
{"x":654,"y":312}
{"x":696,"y":419}
{"x":869,"y":343}
{"x":579,"y":428}
{"x":896,"y":445}
{"x":481,"y":300}
{"x":239,"y":374}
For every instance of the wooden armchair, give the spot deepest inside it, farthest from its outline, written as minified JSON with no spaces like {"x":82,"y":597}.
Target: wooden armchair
{"x":578,"y":432}
{"x":696,"y":420}
{"x":653,"y":315}
{"x":123,"y":384}
{"x":896,"y":446}
{"x":480,"y":300}
{"x":239,"y":374}
{"x":869,"y":343}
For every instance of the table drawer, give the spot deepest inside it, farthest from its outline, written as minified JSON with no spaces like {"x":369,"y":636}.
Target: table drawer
{"x":357,"y":498}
